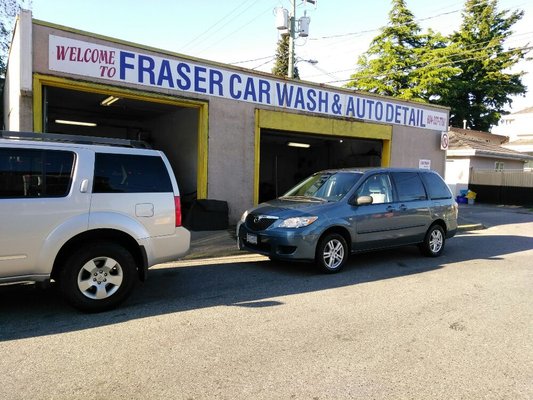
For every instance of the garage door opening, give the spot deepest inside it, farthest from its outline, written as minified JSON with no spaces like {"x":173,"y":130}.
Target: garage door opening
{"x":167,"y":127}
{"x":287,"y":158}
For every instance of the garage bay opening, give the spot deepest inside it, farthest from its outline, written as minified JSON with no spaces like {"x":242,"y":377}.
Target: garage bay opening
{"x":286,"y":158}
{"x":163,"y":125}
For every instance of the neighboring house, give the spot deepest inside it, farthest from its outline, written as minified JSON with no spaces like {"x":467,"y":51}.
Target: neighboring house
{"x":476,"y":150}
{"x":519,"y":127}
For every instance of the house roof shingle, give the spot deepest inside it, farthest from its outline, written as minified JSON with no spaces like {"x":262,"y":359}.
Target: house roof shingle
{"x":480,"y":136}
{"x":528,"y":110}
{"x":477,"y":146}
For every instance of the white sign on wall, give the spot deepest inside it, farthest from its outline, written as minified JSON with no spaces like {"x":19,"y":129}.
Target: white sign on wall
{"x":125,"y":66}
{"x":424,"y":164}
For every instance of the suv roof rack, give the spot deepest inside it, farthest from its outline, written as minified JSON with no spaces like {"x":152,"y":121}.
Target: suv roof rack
{"x":79,"y":139}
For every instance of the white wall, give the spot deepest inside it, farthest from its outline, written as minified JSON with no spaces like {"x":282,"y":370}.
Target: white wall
{"x":489,"y":163}
{"x":231,"y":159}
{"x":516,"y":126}
{"x":457,"y":174}
{"x":18,"y":85}
{"x":410,"y":145}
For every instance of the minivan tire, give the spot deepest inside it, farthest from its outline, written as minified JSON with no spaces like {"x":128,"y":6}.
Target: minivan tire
{"x":98,"y":277}
{"x":433,"y":244}
{"x":331,"y":253}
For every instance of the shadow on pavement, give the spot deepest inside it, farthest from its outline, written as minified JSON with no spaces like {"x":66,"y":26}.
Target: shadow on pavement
{"x":27,"y":311}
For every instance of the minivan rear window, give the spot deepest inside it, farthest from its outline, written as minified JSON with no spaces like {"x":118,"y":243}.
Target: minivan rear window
{"x":126,"y":173}
{"x":436,"y":187}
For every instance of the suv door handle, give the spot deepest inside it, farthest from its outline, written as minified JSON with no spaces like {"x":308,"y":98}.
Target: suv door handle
{"x":390,"y":209}
{"x":403,"y":207}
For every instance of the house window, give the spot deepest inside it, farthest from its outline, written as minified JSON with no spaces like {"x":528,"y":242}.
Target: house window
{"x":498,"y":166}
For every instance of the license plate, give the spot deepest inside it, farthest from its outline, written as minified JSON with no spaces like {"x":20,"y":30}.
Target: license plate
{"x":251,"y":238}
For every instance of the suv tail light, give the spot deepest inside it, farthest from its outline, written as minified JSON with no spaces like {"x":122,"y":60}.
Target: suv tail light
{"x":177,"y":209}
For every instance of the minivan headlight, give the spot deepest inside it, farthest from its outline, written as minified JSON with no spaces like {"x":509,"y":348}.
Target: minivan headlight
{"x":297,"y":222}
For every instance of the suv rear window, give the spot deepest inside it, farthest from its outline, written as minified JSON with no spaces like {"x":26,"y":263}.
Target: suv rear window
{"x":124,"y":173}
{"x":436,"y":187}
{"x":35,"y":173}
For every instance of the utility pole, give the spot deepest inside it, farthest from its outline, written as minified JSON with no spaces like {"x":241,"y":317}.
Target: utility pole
{"x":288,"y":24}
{"x":292,"y":37}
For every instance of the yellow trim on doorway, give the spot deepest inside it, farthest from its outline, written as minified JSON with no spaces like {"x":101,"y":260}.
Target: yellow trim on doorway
{"x":203,"y":150}
{"x":324,"y":125}
{"x":328,"y":126}
{"x":257,"y":154}
{"x":385,"y":152}
{"x":44,"y":80}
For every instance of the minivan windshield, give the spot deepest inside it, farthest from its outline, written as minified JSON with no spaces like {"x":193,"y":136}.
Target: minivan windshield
{"x":325,"y":186}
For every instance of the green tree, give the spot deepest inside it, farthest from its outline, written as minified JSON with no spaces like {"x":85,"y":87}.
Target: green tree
{"x":403,"y":62}
{"x":281,"y":66}
{"x":483,"y":88}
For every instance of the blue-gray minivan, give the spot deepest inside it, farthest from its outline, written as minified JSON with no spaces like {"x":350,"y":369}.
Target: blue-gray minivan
{"x":335,"y":213}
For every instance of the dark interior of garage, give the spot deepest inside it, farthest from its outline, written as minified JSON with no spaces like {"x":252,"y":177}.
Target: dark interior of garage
{"x":165,"y":127}
{"x":287,"y":158}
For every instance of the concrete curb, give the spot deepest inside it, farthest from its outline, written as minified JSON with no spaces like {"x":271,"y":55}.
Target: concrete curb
{"x":470,"y":227}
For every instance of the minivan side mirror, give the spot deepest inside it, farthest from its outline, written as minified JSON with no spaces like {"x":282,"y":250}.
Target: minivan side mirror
{"x":363,"y":200}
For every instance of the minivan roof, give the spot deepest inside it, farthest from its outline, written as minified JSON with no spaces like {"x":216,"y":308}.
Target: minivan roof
{"x":363,"y":170}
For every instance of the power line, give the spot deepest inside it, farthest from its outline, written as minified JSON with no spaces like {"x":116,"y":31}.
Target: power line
{"x":525,"y":48}
{"x":269,"y":60}
{"x":255,"y":59}
{"x":252,"y":3}
{"x":465,"y":50}
{"x":238,"y":29}
{"x":380,"y":28}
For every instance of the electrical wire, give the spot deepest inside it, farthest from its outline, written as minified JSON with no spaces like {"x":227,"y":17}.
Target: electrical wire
{"x":255,"y":59}
{"x":265,"y":63}
{"x":474,"y":48}
{"x":480,"y":57}
{"x":378,"y":29}
{"x":465,"y":51}
{"x":251,"y":4}
{"x":238,"y":29}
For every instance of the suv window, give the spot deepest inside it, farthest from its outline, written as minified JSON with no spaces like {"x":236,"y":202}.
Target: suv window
{"x":409,"y":186}
{"x":436,"y":187}
{"x":35,"y":173}
{"x":124,"y":173}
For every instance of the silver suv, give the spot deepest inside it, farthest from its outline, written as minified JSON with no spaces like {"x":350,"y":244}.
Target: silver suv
{"x":92,"y":214}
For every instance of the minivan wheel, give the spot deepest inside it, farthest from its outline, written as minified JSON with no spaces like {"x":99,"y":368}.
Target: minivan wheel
{"x":331,"y":253}
{"x":433,"y":244}
{"x":98,"y":278}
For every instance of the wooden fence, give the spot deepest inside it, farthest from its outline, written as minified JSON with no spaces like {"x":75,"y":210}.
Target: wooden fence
{"x":509,"y":187}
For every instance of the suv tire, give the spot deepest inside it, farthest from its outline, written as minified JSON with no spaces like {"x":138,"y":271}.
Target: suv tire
{"x":331,"y":253}
{"x":99,"y":277}
{"x":433,"y":244}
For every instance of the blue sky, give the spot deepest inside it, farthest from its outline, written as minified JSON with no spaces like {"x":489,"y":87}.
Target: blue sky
{"x":243,"y":31}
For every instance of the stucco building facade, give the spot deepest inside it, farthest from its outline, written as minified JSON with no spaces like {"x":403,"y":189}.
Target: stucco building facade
{"x":231,"y":134}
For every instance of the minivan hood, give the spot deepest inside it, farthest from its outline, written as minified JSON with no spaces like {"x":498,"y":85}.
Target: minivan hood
{"x":284,"y":208}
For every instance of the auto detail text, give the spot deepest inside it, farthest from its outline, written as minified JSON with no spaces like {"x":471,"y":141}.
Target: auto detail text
{"x":119,"y":65}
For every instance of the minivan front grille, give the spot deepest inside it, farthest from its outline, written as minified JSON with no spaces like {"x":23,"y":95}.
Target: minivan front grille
{"x":257,"y":222}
